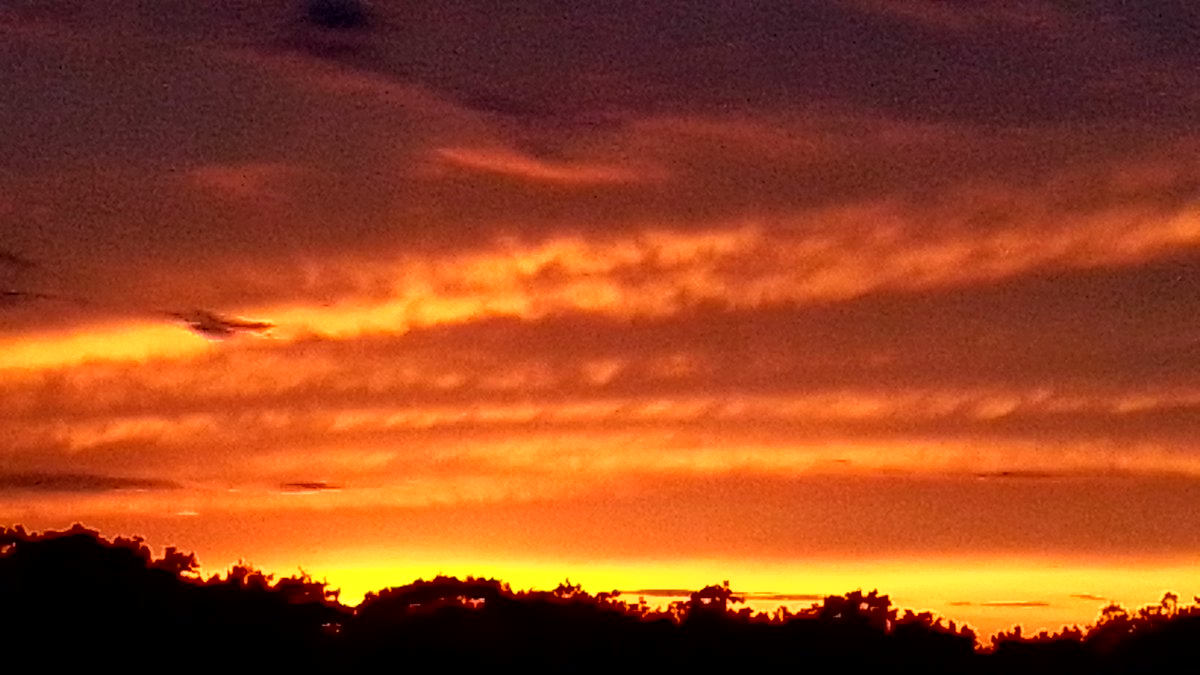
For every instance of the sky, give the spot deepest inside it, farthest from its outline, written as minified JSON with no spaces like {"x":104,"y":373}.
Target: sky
{"x":808,"y":296}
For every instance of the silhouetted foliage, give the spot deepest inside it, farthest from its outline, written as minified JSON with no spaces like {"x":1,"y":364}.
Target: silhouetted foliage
{"x":73,"y":588}
{"x":77,"y":599}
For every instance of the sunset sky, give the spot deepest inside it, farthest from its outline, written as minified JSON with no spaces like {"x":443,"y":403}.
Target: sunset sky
{"x":810,"y":296}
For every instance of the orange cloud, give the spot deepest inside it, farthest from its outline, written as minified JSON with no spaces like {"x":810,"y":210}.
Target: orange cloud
{"x":522,"y":166}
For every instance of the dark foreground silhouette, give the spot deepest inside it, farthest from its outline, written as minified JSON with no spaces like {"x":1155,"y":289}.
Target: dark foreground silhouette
{"x":74,"y":598}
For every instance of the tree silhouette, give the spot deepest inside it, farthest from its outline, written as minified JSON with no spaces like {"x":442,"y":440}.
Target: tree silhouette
{"x":74,"y":588}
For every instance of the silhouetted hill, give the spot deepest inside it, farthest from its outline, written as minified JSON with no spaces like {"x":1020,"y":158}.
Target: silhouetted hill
{"x":74,"y":598}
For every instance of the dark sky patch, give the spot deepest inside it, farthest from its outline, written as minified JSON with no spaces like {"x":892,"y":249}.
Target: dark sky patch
{"x":341,"y":15}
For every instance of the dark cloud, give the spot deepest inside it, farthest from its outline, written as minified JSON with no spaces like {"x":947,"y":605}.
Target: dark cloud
{"x":1009,"y":69}
{"x":15,"y":297}
{"x":338,"y":30}
{"x":338,"y":14}
{"x":15,"y":270}
{"x":10,"y":297}
{"x":77,"y":482}
{"x":1014,"y":475}
{"x":15,"y":262}
{"x":205,"y":323}
{"x":217,"y":327}
{"x":312,"y":486}
{"x":1013,"y":64}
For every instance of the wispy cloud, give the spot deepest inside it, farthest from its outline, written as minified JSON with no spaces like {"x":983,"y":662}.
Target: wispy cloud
{"x":78,"y":482}
{"x":661,"y":592}
{"x":1014,"y":603}
{"x":783,"y":597}
{"x":12,"y":297}
{"x":506,"y":162}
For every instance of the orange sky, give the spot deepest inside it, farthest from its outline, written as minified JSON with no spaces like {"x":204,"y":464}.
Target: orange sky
{"x":895,"y":294}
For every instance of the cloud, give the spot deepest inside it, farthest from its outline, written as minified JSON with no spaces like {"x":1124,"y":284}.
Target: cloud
{"x":308,"y":487}
{"x":1089,"y":596}
{"x":16,"y":262}
{"x":785,"y":597}
{"x":845,"y":200}
{"x":11,"y":297}
{"x":673,"y":245}
{"x":217,"y":327}
{"x":1011,"y":364}
{"x":732,"y":516}
{"x":78,"y":482}
{"x":838,"y":253}
{"x":1050,"y":329}
{"x":16,"y":297}
{"x":763,"y":596}
{"x":1015,"y":603}
{"x":1014,"y":474}
{"x":339,"y":30}
{"x":338,"y":14}
{"x":15,"y":270}
{"x":525,"y":167}
{"x":661,"y":592}
{"x":1053,"y":64}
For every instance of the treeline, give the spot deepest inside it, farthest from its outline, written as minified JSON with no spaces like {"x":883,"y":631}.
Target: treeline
{"x":73,"y":597}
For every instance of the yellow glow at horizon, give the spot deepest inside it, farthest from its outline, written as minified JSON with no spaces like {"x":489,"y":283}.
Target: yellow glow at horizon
{"x":919,"y":584}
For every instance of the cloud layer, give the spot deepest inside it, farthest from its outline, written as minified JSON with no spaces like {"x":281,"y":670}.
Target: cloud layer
{"x":746,"y":279}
